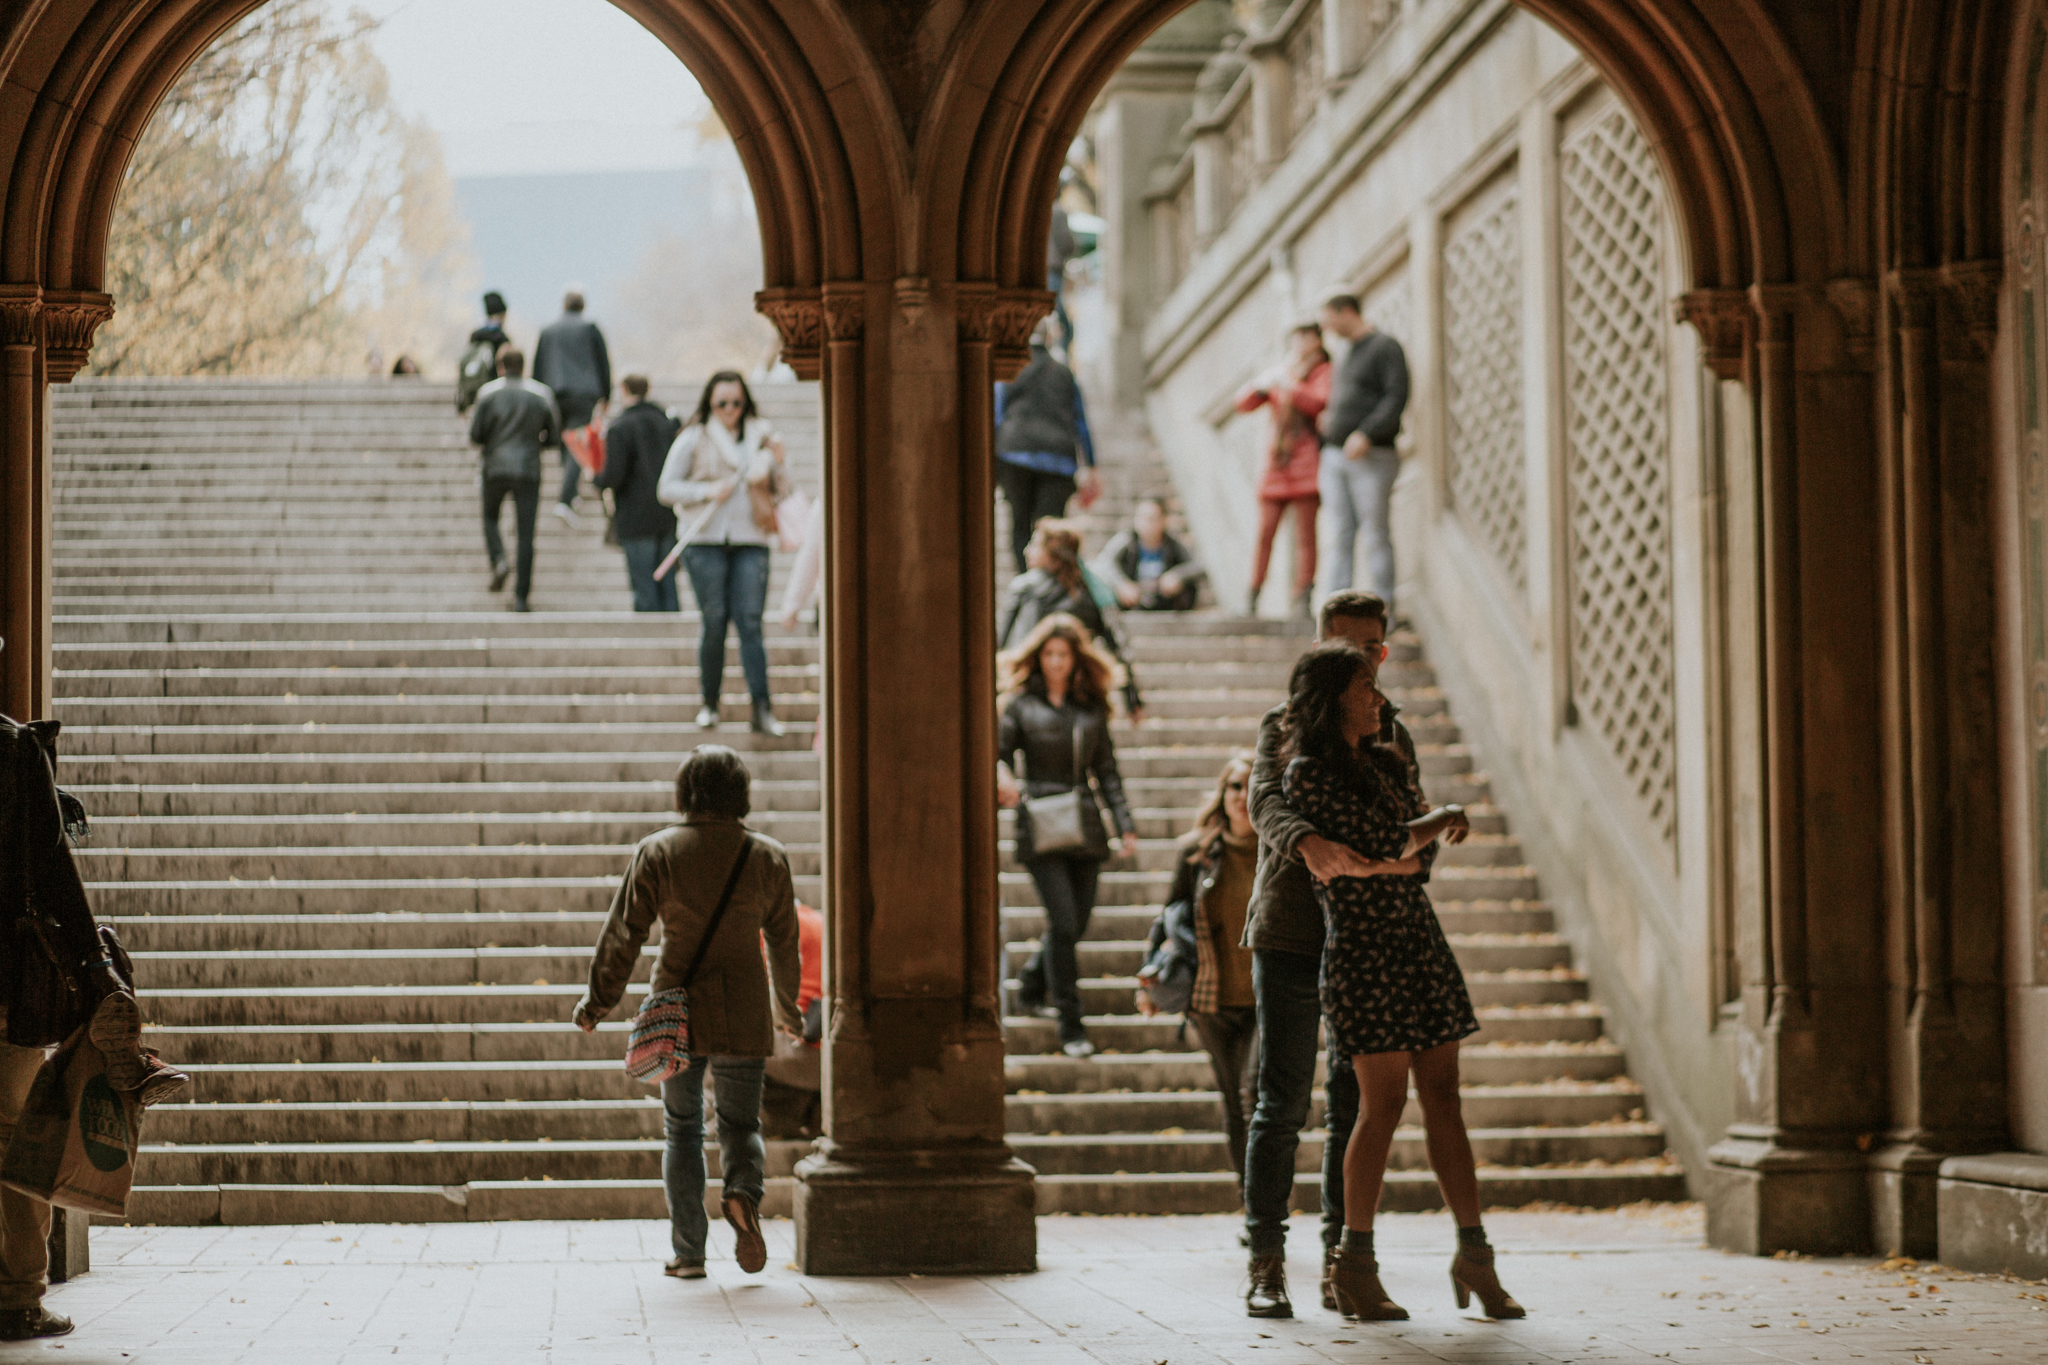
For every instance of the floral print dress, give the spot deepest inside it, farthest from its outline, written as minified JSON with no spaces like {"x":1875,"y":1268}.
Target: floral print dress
{"x":1390,"y":981}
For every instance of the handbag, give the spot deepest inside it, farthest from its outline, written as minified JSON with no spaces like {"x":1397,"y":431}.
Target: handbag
{"x":659,"y":1045}
{"x":1057,"y":820}
{"x":1172,"y":960}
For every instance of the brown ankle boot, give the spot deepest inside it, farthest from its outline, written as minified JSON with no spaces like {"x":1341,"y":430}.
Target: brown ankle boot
{"x":1329,"y":1280}
{"x":1356,"y":1282}
{"x":1472,"y":1273}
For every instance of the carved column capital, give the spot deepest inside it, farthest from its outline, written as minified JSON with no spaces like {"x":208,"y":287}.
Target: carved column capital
{"x":70,"y":319}
{"x":1723,"y":318}
{"x":913,"y":294}
{"x":974,"y":310}
{"x":1855,"y":302}
{"x":21,"y":314}
{"x":846,"y":312}
{"x":1915,"y":295}
{"x":799,"y":317}
{"x":1003,"y":318}
{"x":1971,"y":291}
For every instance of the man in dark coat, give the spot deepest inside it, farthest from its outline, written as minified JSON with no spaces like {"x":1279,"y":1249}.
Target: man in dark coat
{"x":572,"y":361}
{"x":1043,"y":449}
{"x":635,"y":445}
{"x":515,"y":419}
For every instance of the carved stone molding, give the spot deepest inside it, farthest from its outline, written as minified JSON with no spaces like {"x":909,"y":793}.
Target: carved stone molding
{"x":21,"y":314}
{"x":70,"y":319}
{"x":913,"y":293}
{"x":974,"y":310}
{"x":1004,"y":318}
{"x":1855,"y":302}
{"x":1971,"y":288}
{"x":799,"y":318}
{"x":1776,"y":307}
{"x":846,"y":311}
{"x":1915,"y":296}
{"x":1723,"y":318}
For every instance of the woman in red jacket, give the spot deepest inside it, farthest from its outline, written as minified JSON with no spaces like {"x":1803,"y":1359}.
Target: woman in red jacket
{"x":1295,"y":393}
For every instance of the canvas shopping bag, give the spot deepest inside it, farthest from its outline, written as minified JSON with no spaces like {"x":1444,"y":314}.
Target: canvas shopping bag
{"x":74,"y":1145}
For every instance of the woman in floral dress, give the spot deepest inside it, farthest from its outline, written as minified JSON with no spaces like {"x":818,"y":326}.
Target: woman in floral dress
{"x":1394,"y":1000}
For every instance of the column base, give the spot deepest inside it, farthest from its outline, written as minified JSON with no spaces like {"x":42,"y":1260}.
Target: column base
{"x":1764,"y":1198}
{"x":1905,"y":1200}
{"x":931,"y":1214}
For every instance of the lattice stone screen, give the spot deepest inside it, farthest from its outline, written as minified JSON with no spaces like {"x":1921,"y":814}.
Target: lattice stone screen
{"x":1482,"y":350}
{"x":1617,"y":451}
{"x":1387,"y":308}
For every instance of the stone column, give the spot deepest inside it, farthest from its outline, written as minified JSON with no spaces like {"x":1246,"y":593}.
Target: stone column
{"x":1790,"y":1174}
{"x":914,"y":1174}
{"x":45,"y":337}
{"x":1945,"y":907}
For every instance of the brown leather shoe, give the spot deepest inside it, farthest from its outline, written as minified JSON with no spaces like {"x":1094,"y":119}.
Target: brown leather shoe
{"x":1472,"y":1273}
{"x":1267,"y":1296}
{"x":751,"y":1247}
{"x":1360,"y":1295}
{"x":1329,"y":1280}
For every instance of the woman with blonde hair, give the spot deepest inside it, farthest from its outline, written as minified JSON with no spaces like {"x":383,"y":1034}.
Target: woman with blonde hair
{"x":1213,"y":875}
{"x":1053,"y":738}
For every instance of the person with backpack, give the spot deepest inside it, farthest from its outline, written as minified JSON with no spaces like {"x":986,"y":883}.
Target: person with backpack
{"x":479,"y":363}
{"x":1044,"y":452}
{"x":1212,"y":892}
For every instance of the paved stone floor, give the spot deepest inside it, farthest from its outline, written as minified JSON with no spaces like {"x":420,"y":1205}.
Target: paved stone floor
{"x":1633,"y":1285}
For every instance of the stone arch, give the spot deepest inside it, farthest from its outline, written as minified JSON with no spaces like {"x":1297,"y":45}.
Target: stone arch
{"x":1737,"y":129}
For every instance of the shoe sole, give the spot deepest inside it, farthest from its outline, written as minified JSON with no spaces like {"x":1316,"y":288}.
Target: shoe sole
{"x":750,"y":1249}
{"x":1270,"y":1314}
{"x":684,"y":1272}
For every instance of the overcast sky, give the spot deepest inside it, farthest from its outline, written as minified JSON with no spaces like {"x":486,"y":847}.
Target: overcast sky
{"x":517,"y":86}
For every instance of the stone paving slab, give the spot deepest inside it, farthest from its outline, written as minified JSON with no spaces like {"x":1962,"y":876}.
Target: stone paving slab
{"x":1631,"y":1285}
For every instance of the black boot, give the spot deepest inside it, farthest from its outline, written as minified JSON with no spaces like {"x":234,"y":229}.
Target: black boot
{"x":25,"y":1324}
{"x":1267,"y":1296}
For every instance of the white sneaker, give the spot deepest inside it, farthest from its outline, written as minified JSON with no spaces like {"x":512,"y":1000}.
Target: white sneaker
{"x":568,"y":515}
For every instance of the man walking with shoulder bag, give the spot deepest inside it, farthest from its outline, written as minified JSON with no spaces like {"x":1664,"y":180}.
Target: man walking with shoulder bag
{"x":572,"y":361}
{"x":1360,"y":464}
{"x":1284,"y":930}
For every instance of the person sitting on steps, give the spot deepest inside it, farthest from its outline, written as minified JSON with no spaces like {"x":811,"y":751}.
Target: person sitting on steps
{"x":1147,"y":567}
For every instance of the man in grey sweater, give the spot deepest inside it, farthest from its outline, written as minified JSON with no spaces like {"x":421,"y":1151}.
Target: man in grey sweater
{"x":1368,"y":394}
{"x":1284,"y":930}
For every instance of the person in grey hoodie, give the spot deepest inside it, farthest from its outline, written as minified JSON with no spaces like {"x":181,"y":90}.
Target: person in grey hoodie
{"x":1368,"y":395}
{"x":514,"y":420}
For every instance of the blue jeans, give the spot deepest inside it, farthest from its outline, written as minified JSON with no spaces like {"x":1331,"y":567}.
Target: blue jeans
{"x":736,"y":1083}
{"x":1359,"y":495}
{"x":1290,"y":1017}
{"x":643,"y":555}
{"x":731,"y":583}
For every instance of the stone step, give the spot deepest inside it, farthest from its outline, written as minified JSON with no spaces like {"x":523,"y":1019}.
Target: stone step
{"x":423,"y":895}
{"x":346,"y":767}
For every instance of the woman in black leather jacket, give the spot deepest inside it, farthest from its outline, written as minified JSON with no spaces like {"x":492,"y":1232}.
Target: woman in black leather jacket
{"x":1054,"y":735}
{"x":1054,"y":584}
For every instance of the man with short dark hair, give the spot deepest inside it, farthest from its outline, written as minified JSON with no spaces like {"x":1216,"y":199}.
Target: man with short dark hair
{"x":1284,"y":930}
{"x":479,"y":363}
{"x":635,"y":446}
{"x":515,"y":419}
{"x":1368,"y":394}
{"x":572,"y":361}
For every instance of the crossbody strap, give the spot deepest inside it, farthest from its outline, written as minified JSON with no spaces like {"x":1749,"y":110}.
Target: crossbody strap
{"x":739,"y":865}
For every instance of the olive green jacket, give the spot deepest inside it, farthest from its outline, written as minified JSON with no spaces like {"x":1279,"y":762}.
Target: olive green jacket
{"x":675,"y":877}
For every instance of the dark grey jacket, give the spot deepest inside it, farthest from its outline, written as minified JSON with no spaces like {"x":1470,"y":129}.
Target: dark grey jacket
{"x":1368,"y":393}
{"x":571,"y":358}
{"x":1046,"y":737}
{"x":1284,"y":916}
{"x":514,"y":421}
{"x":635,"y":447}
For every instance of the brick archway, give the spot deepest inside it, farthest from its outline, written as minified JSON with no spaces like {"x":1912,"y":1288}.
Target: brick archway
{"x":903,"y":158}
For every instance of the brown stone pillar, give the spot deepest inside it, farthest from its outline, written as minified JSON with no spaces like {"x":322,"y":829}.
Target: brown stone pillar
{"x":45,"y":337}
{"x":1790,"y":1172}
{"x":914,"y":1174}
{"x":1945,"y":1007}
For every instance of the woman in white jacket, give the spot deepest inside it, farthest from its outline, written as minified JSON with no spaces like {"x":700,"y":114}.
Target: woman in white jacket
{"x":724,"y":475}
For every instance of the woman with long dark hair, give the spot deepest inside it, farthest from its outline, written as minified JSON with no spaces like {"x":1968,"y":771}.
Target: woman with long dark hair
{"x":1394,"y":1000}
{"x":1054,"y":736}
{"x":724,"y":473}
{"x":1055,"y":582}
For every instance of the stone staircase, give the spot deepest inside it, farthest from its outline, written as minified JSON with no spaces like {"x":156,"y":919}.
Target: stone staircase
{"x":360,"y":826}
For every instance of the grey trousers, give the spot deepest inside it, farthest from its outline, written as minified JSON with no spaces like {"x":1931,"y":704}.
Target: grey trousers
{"x":1358,"y":497}
{"x":24,"y":1222}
